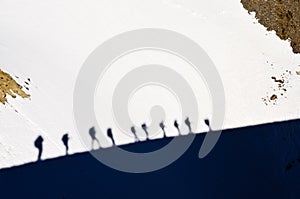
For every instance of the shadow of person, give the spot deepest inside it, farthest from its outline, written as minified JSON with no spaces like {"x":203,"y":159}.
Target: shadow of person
{"x":206,"y":121}
{"x":92,"y":133}
{"x":177,"y":127}
{"x":110,"y":135}
{"x":162,"y":126}
{"x":65,"y":139}
{"x":133,"y":131}
{"x":38,"y":143}
{"x":188,"y":123}
{"x":145,"y":128}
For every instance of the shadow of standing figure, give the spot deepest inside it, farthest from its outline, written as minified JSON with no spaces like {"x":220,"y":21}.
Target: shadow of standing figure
{"x":110,"y":135}
{"x":206,"y":121}
{"x":134,"y":133}
{"x":92,"y":133}
{"x":162,"y":126}
{"x":177,"y":127}
{"x":38,"y":143}
{"x":65,"y":139}
{"x":145,"y":128}
{"x":188,"y":123}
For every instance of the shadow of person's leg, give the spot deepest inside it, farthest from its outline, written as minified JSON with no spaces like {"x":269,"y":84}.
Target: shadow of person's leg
{"x":40,"y":154}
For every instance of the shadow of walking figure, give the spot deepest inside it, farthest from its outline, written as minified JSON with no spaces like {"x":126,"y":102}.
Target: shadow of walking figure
{"x":110,"y":135}
{"x":162,"y":126}
{"x":206,"y":121}
{"x":92,"y":133}
{"x":38,"y":143}
{"x":145,"y":128}
{"x":65,"y":139}
{"x":177,"y":126}
{"x":188,"y":123}
{"x":134,"y":133}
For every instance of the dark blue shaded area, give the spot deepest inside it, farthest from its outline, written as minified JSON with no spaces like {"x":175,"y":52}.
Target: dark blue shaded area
{"x":251,"y":162}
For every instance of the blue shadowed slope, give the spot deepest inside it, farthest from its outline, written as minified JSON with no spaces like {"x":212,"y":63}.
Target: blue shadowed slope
{"x":251,"y":162}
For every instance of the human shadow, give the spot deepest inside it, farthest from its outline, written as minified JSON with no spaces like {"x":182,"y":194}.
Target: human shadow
{"x":188,"y":123}
{"x":145,"y":128}
{"x":206,"y":121}
{"x":92,"y":133}
{"x":65,"y":139}
{"x":162,"y":126}
{"x":38,"y":143}
{"x":133,"y":131}
{"x":176,"y":125}
{"x":110,"y":135}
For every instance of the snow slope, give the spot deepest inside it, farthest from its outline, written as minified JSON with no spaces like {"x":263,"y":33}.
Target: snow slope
{"x":49,"y":41}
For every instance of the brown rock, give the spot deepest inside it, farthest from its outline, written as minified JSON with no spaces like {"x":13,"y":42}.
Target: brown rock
{"x":282,"y":16}
{"x":8,"y":86}
{"x":273,"y":97}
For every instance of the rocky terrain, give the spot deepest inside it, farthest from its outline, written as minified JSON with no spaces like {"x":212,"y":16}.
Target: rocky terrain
{"x":282,"y":16}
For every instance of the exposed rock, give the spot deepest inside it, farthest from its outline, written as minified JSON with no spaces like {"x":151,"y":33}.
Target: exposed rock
{"x":8,"y":86}
{"x":282,"y":16}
